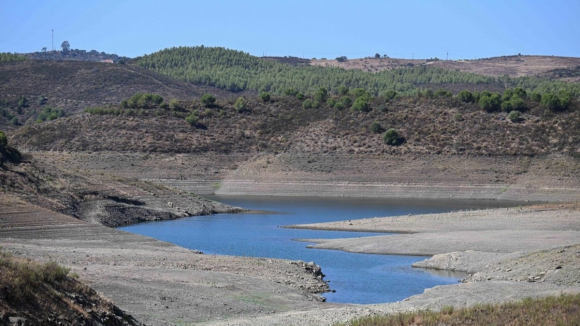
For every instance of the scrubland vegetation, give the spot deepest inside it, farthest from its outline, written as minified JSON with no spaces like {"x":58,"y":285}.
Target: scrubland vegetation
{"x":562,"y":310}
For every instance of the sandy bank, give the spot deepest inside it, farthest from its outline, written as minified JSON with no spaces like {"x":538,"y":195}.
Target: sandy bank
{"x":157,"y":282}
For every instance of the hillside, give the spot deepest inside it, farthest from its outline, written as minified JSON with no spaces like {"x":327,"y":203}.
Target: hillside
{"x":563,"y":68}
{"x":236,"y":71}
{"x":75,"y":85}
{"x":428,"y":126}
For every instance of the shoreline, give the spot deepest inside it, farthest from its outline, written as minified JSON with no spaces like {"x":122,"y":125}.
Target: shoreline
{"x":123,"y":266}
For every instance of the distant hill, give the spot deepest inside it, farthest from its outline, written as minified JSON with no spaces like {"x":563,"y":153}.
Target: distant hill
{"x":237,"y":71}
{"x":564,"y":68}
{"x":76,"y":55}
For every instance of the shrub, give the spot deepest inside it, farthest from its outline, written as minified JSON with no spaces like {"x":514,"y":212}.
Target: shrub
{"x":240,"y":104}
{"x":536,"y":97}
{"x":376,"y":127}
{"x":300,"y":96}
{"x":458,"y":117}
{"x":331,"y":102}
{"x":442,"y":93}
{"x":22,"y":102}
{"x":360,"y":104}
{"x":207,"y":100}
{"x":429,"y":93}
{"x":343,"y":89}
{"x":392,"y":137}
{"x":192,"y":119}
{"x":290,"y":92}
{"x":49,"y":114}
{"x":3,"y":139}
{"x":514,"y":116}
{"x":339,"y":106}
{"x":41,"y":100}
{"x":360,"y":92}
{"x":390,"y":94}
{"x":175,"y":105}
{"x":14,"y":121}
{"x":265,"y":96}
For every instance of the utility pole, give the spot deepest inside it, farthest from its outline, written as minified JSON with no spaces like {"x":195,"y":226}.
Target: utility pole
{"x":447,"y":55}
{"x":53,"y":39}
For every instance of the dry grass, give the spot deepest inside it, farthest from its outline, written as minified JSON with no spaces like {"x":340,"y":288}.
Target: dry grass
{"x":21,"y":280}
{"x":562,"y":310}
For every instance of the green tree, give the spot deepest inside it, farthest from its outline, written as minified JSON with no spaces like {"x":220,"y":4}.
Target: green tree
{"x":341,"y":59}
{"x":307,"y":104}
{"x":361,"y":104}
{"x":207,"y":100}
{"x":321,"y":95}
{"x":392,"y":137}
{"x":465,"y":96}
{"x":265,"y":96}
{"x":520,"y":92}
{"x":490,"y":103}
{"x":343,"y":89}
{"x":360,"y":92}
{"x":345,"y":101}
{"x":65,"y":46}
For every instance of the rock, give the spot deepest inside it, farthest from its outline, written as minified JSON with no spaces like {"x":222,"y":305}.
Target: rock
{"x":18,"y":321}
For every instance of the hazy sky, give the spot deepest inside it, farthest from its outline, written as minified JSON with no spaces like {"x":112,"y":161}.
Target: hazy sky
{"x":398,"y":28}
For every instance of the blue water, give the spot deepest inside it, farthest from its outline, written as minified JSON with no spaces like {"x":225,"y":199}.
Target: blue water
{"x":356,"y":278}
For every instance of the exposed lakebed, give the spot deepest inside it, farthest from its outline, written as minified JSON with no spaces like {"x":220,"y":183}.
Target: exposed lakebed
{"x":356,"y":278}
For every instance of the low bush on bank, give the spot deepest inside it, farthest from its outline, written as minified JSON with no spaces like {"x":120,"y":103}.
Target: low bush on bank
{"x":21,"y":279}
{"x":562,"y":310}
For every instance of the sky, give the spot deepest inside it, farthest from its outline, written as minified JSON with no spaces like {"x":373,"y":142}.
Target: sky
{"x":420,"y":29}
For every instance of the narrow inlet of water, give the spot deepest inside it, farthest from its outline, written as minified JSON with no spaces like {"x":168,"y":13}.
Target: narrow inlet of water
{"x":356,"y":278}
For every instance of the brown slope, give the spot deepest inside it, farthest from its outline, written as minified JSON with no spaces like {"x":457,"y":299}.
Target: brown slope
{"x":75,"y":85}
{"x":439,"y":126}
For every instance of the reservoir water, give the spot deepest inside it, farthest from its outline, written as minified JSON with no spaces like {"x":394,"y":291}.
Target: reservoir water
{"x":356,"y":278}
